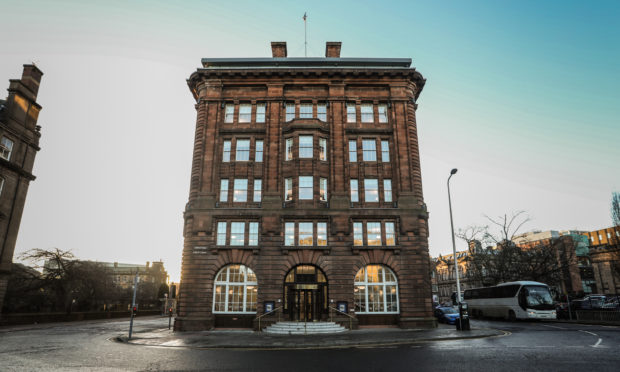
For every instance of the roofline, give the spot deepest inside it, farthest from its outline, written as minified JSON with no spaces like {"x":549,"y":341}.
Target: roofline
{"x":303,"y":62}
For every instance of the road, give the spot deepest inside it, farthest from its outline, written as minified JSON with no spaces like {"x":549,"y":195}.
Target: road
{"x":527,"y":346}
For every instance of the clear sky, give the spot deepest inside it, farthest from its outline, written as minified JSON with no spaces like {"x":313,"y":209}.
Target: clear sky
{"x":522,"y":97}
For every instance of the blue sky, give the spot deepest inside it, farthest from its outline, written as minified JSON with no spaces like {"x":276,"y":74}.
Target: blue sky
{"x":521,"y":96}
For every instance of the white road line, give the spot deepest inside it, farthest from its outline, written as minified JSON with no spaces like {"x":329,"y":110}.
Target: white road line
{"x":598,"y":342}
{"x":593,"y":334}
{"x":550,"y":326}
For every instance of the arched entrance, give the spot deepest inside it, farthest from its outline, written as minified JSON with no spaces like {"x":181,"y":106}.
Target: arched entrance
{"x":305,"y":293}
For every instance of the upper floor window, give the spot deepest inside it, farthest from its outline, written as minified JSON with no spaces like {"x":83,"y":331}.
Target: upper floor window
{"x":323,"y":189}
{"x":305,"y":111}
{"x":245,"y":113}
{"x":371,"y":190}
{"x":352,"y":151}
{"x":258,"y":188}
{"x":223,"y":190}
{"x":226,"y":152}
{"x":305,"y":233}
{"x":367,"y":113}
{"x":243,"y":150}
{"x":371,"y":233}
{"x":290,"y":111}
{"x":260,"y":112}
{"x":322,"y":149}
{"x":288,"y":189}
{"x":351,"y":113}
{"x":240,"y":192}
{"x":237,"y":233}
{"x":383,"y":118}
{"x":229,"y":113}
{"x":258,"y":156}
{"x":6,"y":147}
{"x":288,"y":153}
{"x":321,"y":111}
{"x":387,"y":190}
{"x":305,"y":146}
{"x":354,"y":191}
{"x":305,"y":188}
{"x":369,"y":150}
{"x":385,"y":151}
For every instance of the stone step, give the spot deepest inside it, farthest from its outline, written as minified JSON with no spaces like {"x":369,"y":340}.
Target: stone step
{"x":296,"y":328}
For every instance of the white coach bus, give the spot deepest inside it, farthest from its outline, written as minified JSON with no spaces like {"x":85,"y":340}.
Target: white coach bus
{"x":514,"y":300}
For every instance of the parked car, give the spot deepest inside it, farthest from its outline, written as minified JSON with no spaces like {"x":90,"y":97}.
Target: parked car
{"x":446,"y":314}
{"x":589,"y":302}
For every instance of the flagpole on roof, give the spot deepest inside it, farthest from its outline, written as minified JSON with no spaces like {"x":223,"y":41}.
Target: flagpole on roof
{"x":305,"y":35}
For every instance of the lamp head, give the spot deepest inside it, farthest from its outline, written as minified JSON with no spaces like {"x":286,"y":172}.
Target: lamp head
{"x":453,"y":171}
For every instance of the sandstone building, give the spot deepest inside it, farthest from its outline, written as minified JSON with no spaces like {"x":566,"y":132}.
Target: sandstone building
{"x":305,"y":194}
{"x":19,"y":143}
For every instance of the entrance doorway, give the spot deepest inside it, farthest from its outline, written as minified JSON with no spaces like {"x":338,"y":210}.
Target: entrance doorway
{"x":305,"y":294}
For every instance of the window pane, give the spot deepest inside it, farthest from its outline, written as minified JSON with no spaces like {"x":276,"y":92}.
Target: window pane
{"x":322,"y":149}
{"x":289,"y":233}
{"x":305,"y":110}
{"x":369,"y":148}
{"x":354,"y":191}
{"x":250,"y":297}
{"x":323,"y":189}
{"x":383,"y":118}
{"x":367,"y":113}
{"x":243,"y":150}
{"x":221,"y":233}
{"x":387,"y":190}
{"x":226,"y":152}
{"x":321,"y":233}
{"x":245,"y":113}
{"x":305,"y":188}
{"x":371,"y":191}
{"x":288,"y":189}
{"x":258,"y":157}
{"x":219,"y":303}
{"x":229,"y":113}
{"x":351,"y":113}
{"x":260,"y":112}
{"x":353,"y":151}
{"x":391,"y":298}
{"x":305,"y":233}
{"x":358,"y":234}
{"x":289,"y":149}
{"x":223,"y":190}
{"x":373,"y":233}
{"x":235,"y":298}
{"x":241,"y":190}
{"x":305,"y":146}
{"x":253,"y":238}
{"x":290,"y":111}
{"x":360,"y":298}
{"x":390,"y":236}
{"x":385,"y":151}
{"x":258,"y":187}
{"x":375,"y":298}
{"x":321,"y":111}
{"x":237,"y":233}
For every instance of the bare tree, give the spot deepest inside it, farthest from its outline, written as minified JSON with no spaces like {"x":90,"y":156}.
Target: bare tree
{"x":615,"y":208}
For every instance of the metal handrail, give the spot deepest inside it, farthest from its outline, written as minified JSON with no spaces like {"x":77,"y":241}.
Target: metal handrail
{"x":350,"y":317}
{"x":259,"y":317}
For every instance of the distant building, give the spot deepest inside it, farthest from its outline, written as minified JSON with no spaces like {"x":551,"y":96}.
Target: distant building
{"x":444,"y":276}
{"x":19,"y":143}
{"x":605,"y":257}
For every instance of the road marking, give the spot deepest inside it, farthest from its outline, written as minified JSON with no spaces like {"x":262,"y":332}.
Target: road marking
{"x":593,"y":334}
{"x":550,"y":326}
{"x":598,"y":342}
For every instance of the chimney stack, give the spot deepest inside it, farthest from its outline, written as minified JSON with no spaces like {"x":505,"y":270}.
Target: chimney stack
{"x":278,"y":49}
{"x":332,"y":49}
{"x":31,"y":78}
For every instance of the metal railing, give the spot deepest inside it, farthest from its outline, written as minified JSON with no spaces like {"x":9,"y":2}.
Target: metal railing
{"x":341,"y":312}
{"x":267,"y":313}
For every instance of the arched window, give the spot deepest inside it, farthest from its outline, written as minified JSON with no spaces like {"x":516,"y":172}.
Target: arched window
{"x":235,"y":290}
{"x":376,"y":291}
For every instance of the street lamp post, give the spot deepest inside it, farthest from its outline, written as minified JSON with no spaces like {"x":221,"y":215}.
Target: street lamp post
{"x":456,"y":266}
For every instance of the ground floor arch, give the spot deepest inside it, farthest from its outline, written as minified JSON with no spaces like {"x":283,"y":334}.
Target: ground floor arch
{"x":305,"y":292}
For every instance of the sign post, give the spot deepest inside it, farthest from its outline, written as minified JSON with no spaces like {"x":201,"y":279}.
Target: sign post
{"x":136,"y":280}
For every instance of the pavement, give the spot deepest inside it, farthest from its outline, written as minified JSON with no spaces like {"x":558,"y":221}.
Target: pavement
{"x":247,"y":339}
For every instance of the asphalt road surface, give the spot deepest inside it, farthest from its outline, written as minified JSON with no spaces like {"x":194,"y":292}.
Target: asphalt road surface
{"x":526,"y":347}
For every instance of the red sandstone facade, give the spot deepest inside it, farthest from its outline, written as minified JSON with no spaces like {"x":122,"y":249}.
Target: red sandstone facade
{"x":289,"y":209}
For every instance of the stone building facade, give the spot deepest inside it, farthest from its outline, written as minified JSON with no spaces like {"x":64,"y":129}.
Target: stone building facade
{"x":306,"y":194}
{"x":605,"y":257}
{"x":19,"y":143}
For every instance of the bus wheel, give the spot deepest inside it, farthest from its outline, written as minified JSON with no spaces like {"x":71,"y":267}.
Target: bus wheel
{"x":512,"y":316}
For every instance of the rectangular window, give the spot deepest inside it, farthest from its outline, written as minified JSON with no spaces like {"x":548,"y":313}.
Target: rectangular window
{"x":258,"y":155}
{"x":305,"y":146}
{"x":288,"y":153}
{"x":354,"y":191}
{"x":258,"y":187}
{"x":226,"y":152}
{"x":322,"y":149}
{"x":289,"y":233}
{"x":6,"y":147}
{"x":385,"y":151}
{"x":323,"y":189}
{"x":358,"y":234}
{"x":321,"y":111}
{"x":305,"y":233}
{"x":387,"y":190}
{"x":260,"y":112}
{"x":245,"y":113}
{"x":390,"y":236}
{"x":305,"y":111}
{"x":369,"y":150}
{"x":223,"y":190}
{"x":288,"y":189}
{"x":371,"y":190}
{"x":221,"y":233}
{"x":240,"y":190}
{"x":243,"y":150}
{"x":351,"y":113}
{"x":229,"y":113}
{"x":321,"y":233}
{"x":305,"y":188}
{"x":237,"y":233}
{"x":383,"y":118}
{"x":352,"y":151}
{"x":373,"y":233}
{"x":367,"y":113}
{"x":253,"y":238}
{"x":290,"y":111}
